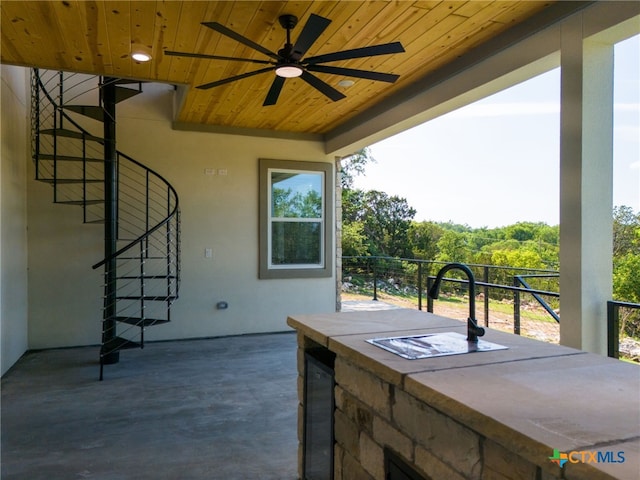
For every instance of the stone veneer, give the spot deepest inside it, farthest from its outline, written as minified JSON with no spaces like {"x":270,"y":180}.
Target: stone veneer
{"x":372,"y":415}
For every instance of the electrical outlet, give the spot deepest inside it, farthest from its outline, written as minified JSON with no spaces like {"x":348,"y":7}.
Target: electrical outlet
{"x":208,"y":252}
{"x":222,"y":171}
{"x":209,"y":171}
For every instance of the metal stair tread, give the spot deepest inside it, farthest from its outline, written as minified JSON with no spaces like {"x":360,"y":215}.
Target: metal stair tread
{"x":91,"y":111}
{"x":147,"y":277}
{"x":63,"y":132}
{"x":118,"y":343}
{"x":150,"y":298}
{"x":124,"y":93}
{"x":80,"y":202}
{"x":141,"y":322}
{"x":145,"y":257}
{"x":128,"y":81}
{"x":70,"y":180}
{"x":68,"y":158}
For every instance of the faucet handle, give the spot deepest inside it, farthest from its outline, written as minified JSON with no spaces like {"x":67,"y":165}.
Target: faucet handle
{"x":473,"y":330}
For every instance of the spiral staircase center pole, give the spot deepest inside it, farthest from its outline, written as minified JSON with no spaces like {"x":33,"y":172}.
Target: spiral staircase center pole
{"x":110,"y":216}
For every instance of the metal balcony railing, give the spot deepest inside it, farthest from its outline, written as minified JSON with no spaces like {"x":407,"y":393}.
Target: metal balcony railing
{"x":413,"y":277}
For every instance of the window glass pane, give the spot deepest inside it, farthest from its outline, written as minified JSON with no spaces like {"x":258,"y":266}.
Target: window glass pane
{"x":296,"y":243}
{"x":296,"y":195}
{"x":296,"y":219}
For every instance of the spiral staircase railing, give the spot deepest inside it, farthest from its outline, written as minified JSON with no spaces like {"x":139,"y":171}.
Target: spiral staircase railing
{"x":70,"y":151}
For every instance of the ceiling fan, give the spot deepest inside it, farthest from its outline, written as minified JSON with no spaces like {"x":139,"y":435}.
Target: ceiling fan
{"x":289,"y":61}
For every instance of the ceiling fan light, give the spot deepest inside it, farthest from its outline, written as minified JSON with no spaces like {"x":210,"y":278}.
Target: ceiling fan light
{"x":288,"y":71}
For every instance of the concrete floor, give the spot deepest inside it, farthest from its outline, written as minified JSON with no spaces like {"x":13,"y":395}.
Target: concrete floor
{"x":221,"y":408}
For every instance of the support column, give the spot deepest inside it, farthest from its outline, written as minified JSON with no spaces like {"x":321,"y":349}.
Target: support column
{"x":586,"y":188}
{"x":110,"y":215}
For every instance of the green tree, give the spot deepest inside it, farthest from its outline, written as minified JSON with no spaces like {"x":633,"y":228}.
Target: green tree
{"x":296,"y":205}
{"x":423,"y":239}
{"x":522,"y":231}
{"x":626,"y":287}
{"x":352,"y":205}
{"x":626,"y":266}
{"x":626,"y":231}
{"x":383,"y":220}
{"x":354,"y":165}
{"x":626,"y":278}
{"x":386,"y":222}
{"x":520,"y":258}
{"x":452,"y":247}
{"x":354,"y":241}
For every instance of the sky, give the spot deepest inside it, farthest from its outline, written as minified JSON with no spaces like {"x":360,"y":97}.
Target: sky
{"x":496,"y":162}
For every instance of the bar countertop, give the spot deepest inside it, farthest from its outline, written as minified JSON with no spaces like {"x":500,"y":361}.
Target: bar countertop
{"x":534,"y":397}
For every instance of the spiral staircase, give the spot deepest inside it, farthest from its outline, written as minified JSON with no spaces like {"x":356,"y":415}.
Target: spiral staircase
{"x":73,"y":145}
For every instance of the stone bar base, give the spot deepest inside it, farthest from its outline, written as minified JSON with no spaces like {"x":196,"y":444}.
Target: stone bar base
{"x":372,"y":415}
{"x":497,"y":415}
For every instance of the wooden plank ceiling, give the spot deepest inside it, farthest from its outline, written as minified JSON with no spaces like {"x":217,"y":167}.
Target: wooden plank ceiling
{"x":99,"y":37}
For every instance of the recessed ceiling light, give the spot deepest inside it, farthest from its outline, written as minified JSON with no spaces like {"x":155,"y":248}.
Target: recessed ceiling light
{"x":141,"y":57}
{"x":346,"y":83}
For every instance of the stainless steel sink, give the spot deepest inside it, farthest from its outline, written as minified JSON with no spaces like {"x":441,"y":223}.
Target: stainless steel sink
{"x":433,"y":345}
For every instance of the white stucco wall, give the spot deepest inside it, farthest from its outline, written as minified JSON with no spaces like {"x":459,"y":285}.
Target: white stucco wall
{"x":13,"y":215}
{"x":218,"y":212}
{"x":65,"y":305}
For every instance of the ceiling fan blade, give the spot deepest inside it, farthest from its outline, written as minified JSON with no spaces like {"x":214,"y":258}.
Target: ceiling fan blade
{"x":351,"y":72}
{"x":216,"y":57}
{"x":239,"y":38}
{"x":384,"y":49}
{"x":321,"y":86}
{"x":233,"y":79}
{"x":274,"y":91}
{"x":310,"y":33}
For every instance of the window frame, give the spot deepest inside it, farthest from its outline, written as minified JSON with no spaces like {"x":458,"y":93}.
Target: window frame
{"x":325,"y":267}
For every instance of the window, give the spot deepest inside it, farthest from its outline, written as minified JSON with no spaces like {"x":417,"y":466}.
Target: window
{"x":296,"y":219}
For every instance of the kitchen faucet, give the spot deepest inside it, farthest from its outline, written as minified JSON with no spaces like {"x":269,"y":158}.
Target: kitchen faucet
{"x":473,"y":330}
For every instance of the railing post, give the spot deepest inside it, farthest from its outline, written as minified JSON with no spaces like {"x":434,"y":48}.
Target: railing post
{"x":429,"y":299}
{"x":613,"y":330}
{"x":61,"y":93}
{"x":168,"y":237}
{"x":142,"y":294}
{"x":419,"y":285}
{"x":147,"y":208}
{"x":516,"y":308}
{"x":55,"y":155}
{"x":84,"y":179}
{"x":485,"y":278}
{"x":36,"y":120}
{"x":375,"y":279}
{"x":110,"y":217}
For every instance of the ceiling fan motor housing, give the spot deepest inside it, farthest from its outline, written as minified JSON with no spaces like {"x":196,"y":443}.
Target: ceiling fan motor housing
{"x":288,"y":22}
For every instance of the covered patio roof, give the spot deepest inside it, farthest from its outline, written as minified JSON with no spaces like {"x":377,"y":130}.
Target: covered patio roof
{"x":455,"y":53}
{"x":438,"y":38}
